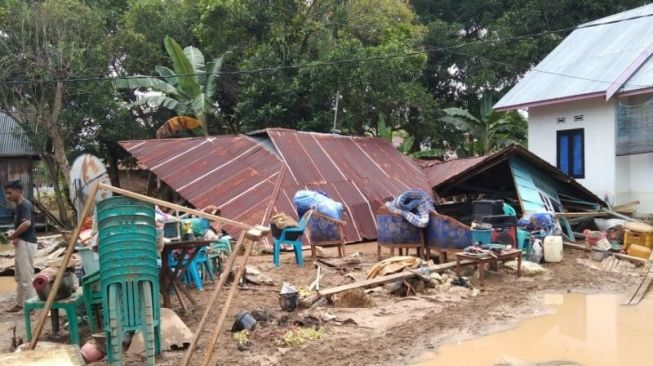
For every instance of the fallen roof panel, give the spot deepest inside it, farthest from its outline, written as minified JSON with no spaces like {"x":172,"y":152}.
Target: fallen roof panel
{"x":239,"y":173}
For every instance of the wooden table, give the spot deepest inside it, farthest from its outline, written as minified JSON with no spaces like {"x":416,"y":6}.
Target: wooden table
{"x":480,"y":262}
{"x":169,"y":279}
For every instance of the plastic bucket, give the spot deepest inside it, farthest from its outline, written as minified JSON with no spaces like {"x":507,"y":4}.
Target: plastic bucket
{"x":90,"y":259}
{"x":289,"y":302}
{"x":244,"y":321}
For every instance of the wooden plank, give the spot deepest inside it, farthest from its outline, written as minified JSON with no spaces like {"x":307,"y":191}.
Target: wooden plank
{"x":90,"y":202}
{"x":618,"y":255}
{"x":620,"y":216}
{"x":582,"y":214}
{"x":227,"y":304}
{"x":378,"y":281}
{"x":180,"y":208}
{"x":209,"y":307}
{"x":640,"y":290}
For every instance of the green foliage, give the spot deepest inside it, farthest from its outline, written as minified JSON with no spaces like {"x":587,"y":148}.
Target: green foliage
{"x":287,"y":63}
{"x":489,"y":130}
{"x":186,"y":88}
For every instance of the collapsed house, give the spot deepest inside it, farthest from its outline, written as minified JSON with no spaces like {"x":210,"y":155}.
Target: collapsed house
{"x":250,"y":177}
{"x":517,"y":176}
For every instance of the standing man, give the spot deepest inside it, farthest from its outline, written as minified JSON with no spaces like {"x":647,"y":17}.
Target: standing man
{"x":25,"y":242}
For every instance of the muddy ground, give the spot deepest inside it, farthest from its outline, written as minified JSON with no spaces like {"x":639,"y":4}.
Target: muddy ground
{"x":395,"y":331}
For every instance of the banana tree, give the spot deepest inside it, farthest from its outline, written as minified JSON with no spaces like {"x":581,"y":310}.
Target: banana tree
{"x":490,"y":130}
{"x":187,"y":88}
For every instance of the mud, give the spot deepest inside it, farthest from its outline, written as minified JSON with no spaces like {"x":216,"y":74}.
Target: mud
{"x":396,"y":331}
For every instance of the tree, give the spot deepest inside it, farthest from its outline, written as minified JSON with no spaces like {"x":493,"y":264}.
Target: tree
{"x":44,"y":46}
{"x":187,"y":89}
{"x":358,"y":53}
{"x":489,"y":130}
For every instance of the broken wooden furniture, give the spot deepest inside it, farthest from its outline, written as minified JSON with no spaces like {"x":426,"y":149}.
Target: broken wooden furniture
{"x":324,"y":230}
{"x":446,"y":235}
{"x":481,"y":261}
{"x":170,"y":279}
{"x":69,"y":305}
{"x":129,"y":277}
{"x":395,"y":232}
{"x":292,"y":236}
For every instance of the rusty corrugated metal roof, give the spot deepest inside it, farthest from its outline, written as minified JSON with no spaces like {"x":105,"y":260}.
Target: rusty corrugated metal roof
{"x":439,"y":172}
{"x":452,"y":172}
{"x":239,"y":173}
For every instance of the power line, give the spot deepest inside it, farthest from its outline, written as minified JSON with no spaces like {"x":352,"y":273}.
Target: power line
{"x":342,"y":61}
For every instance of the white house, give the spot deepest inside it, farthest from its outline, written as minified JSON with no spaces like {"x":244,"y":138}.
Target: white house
{"x":590,"y":106}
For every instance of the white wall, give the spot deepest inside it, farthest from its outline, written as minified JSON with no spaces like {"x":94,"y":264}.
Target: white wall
{"x":599,"y":125}
{"x":636,"y":180}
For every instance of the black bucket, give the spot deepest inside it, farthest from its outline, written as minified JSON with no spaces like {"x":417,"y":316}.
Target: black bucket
{"x":244,"y":321}
{"x":289,"y":302}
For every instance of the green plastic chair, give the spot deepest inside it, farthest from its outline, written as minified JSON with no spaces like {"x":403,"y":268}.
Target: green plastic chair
{"x":92,"y":299}
{"x":129,"y":284}
{"x":69,"y":305}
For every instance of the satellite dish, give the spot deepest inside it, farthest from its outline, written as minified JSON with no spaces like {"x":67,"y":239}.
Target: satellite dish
{"x":86,"y":171}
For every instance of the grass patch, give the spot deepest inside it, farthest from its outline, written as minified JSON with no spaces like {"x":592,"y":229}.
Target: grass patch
{"x":297,"y":337}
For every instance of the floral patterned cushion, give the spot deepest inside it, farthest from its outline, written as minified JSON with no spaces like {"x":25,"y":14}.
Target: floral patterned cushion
{"x":394,"y":229}
{"x":322,"y":230}
{"x":447,"y":233}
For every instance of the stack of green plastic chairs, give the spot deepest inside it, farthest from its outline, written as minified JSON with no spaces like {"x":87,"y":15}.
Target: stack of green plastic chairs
{"x":128,"y":274}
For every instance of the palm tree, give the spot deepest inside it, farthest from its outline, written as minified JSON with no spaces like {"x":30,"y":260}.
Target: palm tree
{"x":188,"y":89}
{"x":491,"y":130}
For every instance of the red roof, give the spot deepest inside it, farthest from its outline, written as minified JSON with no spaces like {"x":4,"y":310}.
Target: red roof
{"x":438,"y":172}
{"x":239,"y":173}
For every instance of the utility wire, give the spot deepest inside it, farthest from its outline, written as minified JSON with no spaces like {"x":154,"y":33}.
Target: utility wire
{"x":347,"y":61}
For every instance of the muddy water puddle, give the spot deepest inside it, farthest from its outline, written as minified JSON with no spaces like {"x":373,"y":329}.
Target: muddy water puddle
{"x":7,"y":285}
{"x":592,"y":330}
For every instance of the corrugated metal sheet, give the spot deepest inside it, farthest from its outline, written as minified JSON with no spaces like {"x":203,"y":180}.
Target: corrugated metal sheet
{"x":239,"y":173}
{"x":439,"y":172}
{"x":643,"y":76}
{"x":451,"y":173}
{"x":231,"y":172}
{"x":13,"y":142}
{"x":588,"y":61}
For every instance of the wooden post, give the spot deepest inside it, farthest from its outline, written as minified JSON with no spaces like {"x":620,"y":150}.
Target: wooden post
{"x":214,"y":296}
{"x":232,"y":291}
{"x":90,"y":201}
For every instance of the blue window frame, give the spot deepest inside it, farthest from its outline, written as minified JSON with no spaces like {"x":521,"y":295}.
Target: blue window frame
{"x":571,"y":152}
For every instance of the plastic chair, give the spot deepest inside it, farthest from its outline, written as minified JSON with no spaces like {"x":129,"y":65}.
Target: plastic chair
{"x":288,"y":232}
{"x":204,"y":265}
{"x":69,"y":305}
{"x":92,"y":299}
{"x":197,"y":270}
{"x":129,"y":280}
{"x":223,"y":245}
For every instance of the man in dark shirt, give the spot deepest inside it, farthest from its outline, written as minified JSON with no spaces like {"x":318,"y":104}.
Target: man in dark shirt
{"x":24,"y":239}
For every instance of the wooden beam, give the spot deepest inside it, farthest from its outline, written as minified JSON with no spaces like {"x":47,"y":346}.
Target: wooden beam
{"x":173,"y":206}
{"x":225,"y":308}
{"x":582,"y":214}
{"x":209,"y":307}
{"x":378,"y":281}
{"x":90,"y":201}
{"x":618,"y":255}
